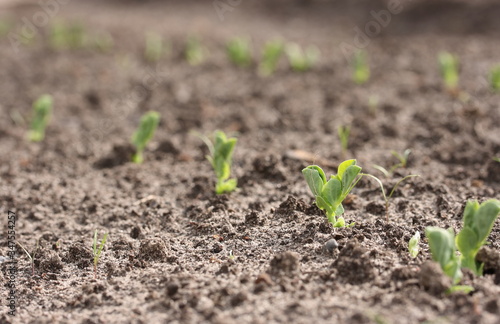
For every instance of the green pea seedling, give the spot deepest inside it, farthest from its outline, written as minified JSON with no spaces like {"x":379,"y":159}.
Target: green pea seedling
{"x":238,"y":50}
{"x":449,"y":70}
{"x":361,"y":72}
{"x":221,"y":155}
{"x":344,"y":132}
{"x":403,"y":162}
{"x":495,"y":78}
{"x":42,"y":110}
{"x":299,"y":59}
{"x":443,"y":251}
{"x":478,"y":222}
{"x":194,"y":51}
{"x":270,"y":57}
{"x":142,"y":136}
{"x":97,"y":250}
{"x":155,"y":48}
{"x":31,"y":256}
{"x":330,"y":194}
{"x":413,"y":247}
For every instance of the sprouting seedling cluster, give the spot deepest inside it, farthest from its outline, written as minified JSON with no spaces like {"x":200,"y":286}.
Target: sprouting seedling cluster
{"x":194,"y":51}
{"x":478,"y":220}
{"x":361,"y":72}
{"x":301,"y":60}
{"x":221,"y":156}
{"x":331,"y":193}
{"x":154,"y":48}
{"x":449,"y":66}
{"x":142,"y":136}
{"x":403,"y":162}
{"x":495,"y":78}
{"x":270,"y":57}
{"x":97,"y":250}
{"x":42,"y":110}
{"x":238,"y":50}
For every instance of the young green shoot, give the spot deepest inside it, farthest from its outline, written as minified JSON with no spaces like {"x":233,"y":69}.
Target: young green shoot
{"x":403,"y":162}
{"x":31,"y":256}
{"x":478,"y":222}
{"x":67,"y":36}
{"x":497,"y":159}
{"x":344,"y":132}
{"x":449,"y":66}
{"x":238,"y":50}
{"x":373,"y":103}
{"x":221,"y":158}
{"x":97,"y":250}
{"x":495,"y":78}
{"x":361,"y":72}
{"x":270,"y":57}
{"x":154,"y":48}
{"x":299,"y":59}
{"x":194,"y":52}
{"x":42,"y":110}
{"x":443,"y":251}
{"x":413,"y":247}
{"x":384,"y":194}
{"x":331,"y":193}
{"x":142,"y":136}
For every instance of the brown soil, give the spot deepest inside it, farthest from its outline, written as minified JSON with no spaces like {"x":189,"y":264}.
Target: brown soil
{"x":177,"y":252}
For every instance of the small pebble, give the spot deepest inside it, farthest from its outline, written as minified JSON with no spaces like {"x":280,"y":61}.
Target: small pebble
{"x":331,"y":245}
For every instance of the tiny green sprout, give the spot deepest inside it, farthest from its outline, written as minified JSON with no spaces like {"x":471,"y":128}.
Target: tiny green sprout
{"x":497,"y":159}
{"x":373,"y":103}
{"x":403,"y":162}
{"x":194,"y":51}
{"x":31,"y":256}
{"x":299,"y":59}
{"x":142,"y":136}
{"x":361,"y":68}
{"x":478,"y":222}
{"x":42,"y":110}
{"x":413,"y":245}
{"x":330,"y":194}
{"x":443,"y":251}
{"x":384,"y":194}
{"x":344,"y":132}
{"x":96,"y":250}
{"x":67,"y":36}
{"x":238,"y":50}
{"x":449,"y":70}
{"x":155,"y":48}
{"x":495,"y":78}
{"x":270,"y":57}
{"x":221,"y":158}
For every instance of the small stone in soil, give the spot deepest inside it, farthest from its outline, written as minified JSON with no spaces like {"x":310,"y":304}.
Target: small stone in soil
{"x":331,"y":245}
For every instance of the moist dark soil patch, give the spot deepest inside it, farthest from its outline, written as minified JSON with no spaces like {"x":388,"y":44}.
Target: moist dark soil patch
{"x":263,"y":254}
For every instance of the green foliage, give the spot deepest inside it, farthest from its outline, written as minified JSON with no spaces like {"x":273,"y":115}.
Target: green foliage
{"x":478,"y":222}
{"x":413,"y":245}
{"x":142,"y":136}
{"x":221,"y":158}
{"x":449,"y":65}
{"x":330,"y":194}
{"x":67,"y":36}
{"x":403,"y":162}
{"x":31,"y":256}
{"x":42,"y":110}
{"x":238,"y":50}
{"x":155,"y":48}
{"x":361,"y":68}
{"x":299,"y":59}
{"x":194,"y":51}
{"x":344,"y":132}
{"x":97,"y":249}
{"x":443,"y":250}
{"x":495,"y":78}
{"x":270,"y":57}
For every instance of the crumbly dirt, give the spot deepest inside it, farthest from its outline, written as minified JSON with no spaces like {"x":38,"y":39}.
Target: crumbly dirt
{"x":178,"y":253}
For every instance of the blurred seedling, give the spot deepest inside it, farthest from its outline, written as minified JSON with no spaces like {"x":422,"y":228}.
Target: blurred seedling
{"x":42,"y":110}
{"x":330,"y":194}
{"x":270,"y":57}
{"x":103,"y":42}
{"x":145,"y":132}
{"x":449,"y":66}
{"x":384,"y":193}
{"x":373,"y":103}
{"x":495,"y":78}
{"x":97,"y":250}
{"x":496,"y":159}
{"x":221,"y":154}
{"x":67,"y":36}
{"x":361,"y":72}
{"x":344,"y":132}
{"x":194,"y":52}
{"x":413,"y":247}
{"x":301,"y":60}
{"x":154,"y":47}
{"x":31,"y":255}
{"x":403,"y":162}
{"x":5,"y":27}
{"x":238,"y":50}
